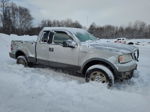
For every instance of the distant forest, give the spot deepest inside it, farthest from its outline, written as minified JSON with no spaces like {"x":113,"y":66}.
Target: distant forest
{"x":18,"y":20}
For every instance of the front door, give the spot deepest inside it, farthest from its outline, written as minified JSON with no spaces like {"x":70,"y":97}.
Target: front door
{"x":60,"y":54}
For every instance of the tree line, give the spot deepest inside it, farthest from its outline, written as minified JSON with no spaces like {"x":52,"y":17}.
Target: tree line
{"x":18,"y":20}
{"x":138,"y":29}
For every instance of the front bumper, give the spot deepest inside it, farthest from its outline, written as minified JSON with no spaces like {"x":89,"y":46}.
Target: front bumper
{"x":125,"y":71}
{"x":120,"y":76}
{"x":12,"y":55}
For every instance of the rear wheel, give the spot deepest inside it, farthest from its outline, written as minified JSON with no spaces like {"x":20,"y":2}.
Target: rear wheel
{"x":22,"y":60}
{"x":100,"y":74}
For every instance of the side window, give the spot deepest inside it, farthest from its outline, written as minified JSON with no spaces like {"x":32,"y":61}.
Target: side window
{"x":60,"y":37}
{"x":45,"y":36}
{"x":51,"y":34}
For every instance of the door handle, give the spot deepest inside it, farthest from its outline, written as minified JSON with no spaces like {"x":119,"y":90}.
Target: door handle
{"x":51,"y":49}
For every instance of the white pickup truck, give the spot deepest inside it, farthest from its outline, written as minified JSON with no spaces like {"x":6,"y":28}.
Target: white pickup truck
{"x":78,"y":50}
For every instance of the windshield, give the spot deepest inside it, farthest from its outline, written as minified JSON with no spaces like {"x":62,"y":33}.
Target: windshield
{"x":85,"y":36}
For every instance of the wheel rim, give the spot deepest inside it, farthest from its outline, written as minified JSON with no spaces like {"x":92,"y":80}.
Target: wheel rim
{"x":98,"y":76}
{"x":21,"y":61}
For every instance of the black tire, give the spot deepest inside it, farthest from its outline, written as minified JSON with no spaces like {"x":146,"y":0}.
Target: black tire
{"x":22,"y":60}
{"x":101,"y":76}
{"x":30,"y":64}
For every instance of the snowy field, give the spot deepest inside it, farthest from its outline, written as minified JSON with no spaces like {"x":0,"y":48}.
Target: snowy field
{"x":45,"y":90}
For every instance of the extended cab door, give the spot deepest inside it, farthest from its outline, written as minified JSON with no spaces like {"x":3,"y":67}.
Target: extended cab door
{"x":42,"y":47}
{"x":60,"y":54}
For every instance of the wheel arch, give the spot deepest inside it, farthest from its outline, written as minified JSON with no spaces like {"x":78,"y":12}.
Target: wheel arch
{"x":95,"y":61}
{"x":19,"y":53}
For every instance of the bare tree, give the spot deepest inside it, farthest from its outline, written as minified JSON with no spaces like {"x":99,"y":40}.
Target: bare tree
{"x":4,"y":14}
{"x":24,"y":19}
{"x":15,"y":19}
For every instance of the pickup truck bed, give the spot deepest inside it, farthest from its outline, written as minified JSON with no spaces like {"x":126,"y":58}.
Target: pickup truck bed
{"x":28,"y":47}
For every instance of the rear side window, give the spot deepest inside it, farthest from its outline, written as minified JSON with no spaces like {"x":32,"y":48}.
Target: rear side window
{"x":45,"y":36}
{"x":51,"y":34}
{"x":60,"y":37}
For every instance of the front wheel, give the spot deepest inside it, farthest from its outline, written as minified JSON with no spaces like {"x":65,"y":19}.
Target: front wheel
{"x":22,"y":60}
{"x":100,"y":74}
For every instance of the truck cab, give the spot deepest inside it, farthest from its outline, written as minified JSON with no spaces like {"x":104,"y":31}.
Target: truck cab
{"x":51,"y":47}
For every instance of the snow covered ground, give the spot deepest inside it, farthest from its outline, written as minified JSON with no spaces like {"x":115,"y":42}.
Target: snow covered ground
{"x":45,"y":90}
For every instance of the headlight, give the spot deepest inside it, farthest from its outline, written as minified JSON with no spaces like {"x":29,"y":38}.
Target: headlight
{"x":124,"y":58}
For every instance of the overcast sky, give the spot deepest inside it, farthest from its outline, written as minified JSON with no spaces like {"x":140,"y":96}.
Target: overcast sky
{"x":102,"y":12}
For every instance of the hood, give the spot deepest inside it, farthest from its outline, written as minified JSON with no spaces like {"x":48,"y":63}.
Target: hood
{"x":114,"y":47}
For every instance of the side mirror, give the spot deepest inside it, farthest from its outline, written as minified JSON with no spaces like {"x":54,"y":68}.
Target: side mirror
{"x":69,"y":43}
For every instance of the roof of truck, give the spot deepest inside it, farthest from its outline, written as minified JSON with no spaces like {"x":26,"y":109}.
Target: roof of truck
{"x":70,"y":29}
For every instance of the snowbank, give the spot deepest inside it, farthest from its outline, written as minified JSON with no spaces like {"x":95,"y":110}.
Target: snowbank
{"x":45,"y":90}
